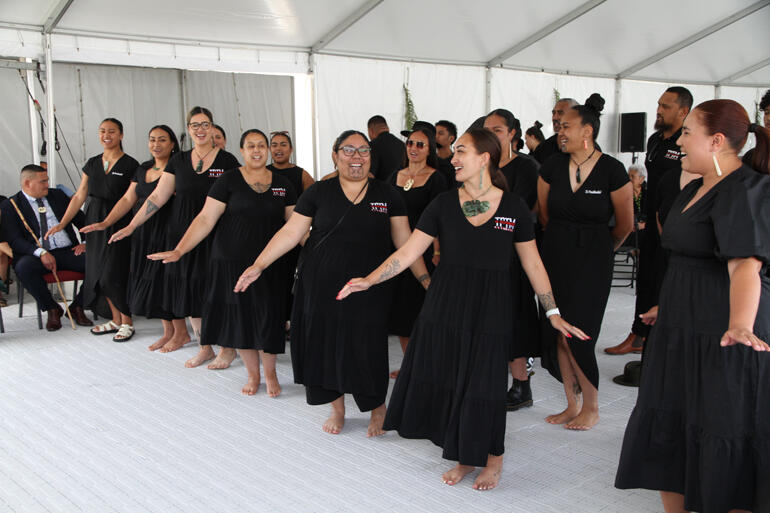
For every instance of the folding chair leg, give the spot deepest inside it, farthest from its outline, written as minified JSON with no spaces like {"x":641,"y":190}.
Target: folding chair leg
{"x":20,"y":295}
{"x":39,"y":318}
{"x":2,"y":324}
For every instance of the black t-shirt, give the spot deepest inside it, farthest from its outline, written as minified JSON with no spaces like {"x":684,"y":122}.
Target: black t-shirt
{"x":293,"y":174}
{"x":388,"y":155}
{"x":591,"y":202}
{"x":109,"y":186}
{"x":663,"y":155}
{"x":547,"y":148}
{"x":366,"y":223}
{"x":521,"y":175}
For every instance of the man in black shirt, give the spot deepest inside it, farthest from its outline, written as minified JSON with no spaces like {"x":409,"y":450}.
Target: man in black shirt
{"x":551,"y":145}
{"x":446,"y":135}
{"x":388,"y":151}
{"x":663,"y":156}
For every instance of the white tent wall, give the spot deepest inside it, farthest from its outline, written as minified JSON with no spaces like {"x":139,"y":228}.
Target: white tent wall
{"x":16,"y":140}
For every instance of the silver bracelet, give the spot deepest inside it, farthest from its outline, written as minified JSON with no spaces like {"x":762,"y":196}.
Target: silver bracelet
{"x":552,"y":311}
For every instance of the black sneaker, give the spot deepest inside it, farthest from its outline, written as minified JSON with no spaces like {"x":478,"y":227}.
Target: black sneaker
{"x":519,"y":396}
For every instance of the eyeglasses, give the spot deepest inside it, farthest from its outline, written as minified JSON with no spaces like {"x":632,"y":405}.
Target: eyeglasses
{"x":363,"y":151}
{"x":195,"y":126}
{"x":281,"y":132}
{"x":419,"y":144}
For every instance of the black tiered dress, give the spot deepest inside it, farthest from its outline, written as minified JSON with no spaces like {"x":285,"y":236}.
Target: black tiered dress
{"x":252,"y":319}
{"x":577,"y":252}
{"x":453,"y":380}
{"x":701,"y":425}
{"x":107,"y":265}
{"x":521,"y":174}
{"x":409,"y":293}
{"x":342,"y":346}
{"x":145,"y":289}
{"x":185,"y":281}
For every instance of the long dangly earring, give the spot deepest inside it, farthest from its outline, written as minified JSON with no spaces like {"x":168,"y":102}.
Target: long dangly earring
{"x":716,"y":164}
{"x":585,"y":144}
{"x":481,"y":175}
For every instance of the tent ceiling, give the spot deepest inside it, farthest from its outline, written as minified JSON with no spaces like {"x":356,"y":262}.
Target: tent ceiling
{"x":591,"y":37}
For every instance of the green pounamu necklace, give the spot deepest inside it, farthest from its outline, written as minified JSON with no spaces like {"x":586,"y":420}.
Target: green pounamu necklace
{"x":474,"y":207}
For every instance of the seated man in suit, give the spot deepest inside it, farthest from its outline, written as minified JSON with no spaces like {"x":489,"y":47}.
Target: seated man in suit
{"x":42,"y":208}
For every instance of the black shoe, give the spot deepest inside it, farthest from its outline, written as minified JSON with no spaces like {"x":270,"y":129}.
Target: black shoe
{"x":519,"y":396}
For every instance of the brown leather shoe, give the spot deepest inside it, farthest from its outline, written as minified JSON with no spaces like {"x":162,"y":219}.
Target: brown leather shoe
{"x":80,"y":316}
{"x":632,"y":344}
{"x":54,"y":318}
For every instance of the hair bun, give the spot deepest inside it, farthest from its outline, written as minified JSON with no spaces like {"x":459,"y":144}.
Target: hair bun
{"x":538,"y":124}
{"x":595,"y":102}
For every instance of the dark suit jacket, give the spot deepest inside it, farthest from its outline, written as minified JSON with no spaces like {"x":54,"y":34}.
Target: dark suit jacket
{"x":13,"y":230}
{"x":388,"y":155}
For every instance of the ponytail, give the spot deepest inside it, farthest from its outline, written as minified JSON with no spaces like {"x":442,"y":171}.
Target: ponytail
{"x":761,"y":160}
{"x":498,"y":179}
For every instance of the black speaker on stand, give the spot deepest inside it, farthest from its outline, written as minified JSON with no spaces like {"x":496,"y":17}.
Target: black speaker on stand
{"x":633,"y":132}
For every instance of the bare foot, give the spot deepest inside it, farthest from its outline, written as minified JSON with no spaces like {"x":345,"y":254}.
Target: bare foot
{"x":489,"y":476}
{"x":252,"y":386}
{"x":393,"y":375}
{"x":223,"y":359}
{"x":454,"y":476}
{"x":273,"y":387}
{"x":160,"y":342}
{"x":376,"y":421}
{"x":334,"y":423}
{"x":562,"y":418}
{"x":175,"y":343}
{"x":583,"y":422}
{"x":204,"y":354}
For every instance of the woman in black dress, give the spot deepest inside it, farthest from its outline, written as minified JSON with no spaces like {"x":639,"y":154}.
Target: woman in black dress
{"x":520,"y":172}
{"x":579,"y":190}
{"x":341,"y":348}
{"x":105,"y":179}
{"x":533,"y":138}
{"x":188,"y":177}
{"x":248,"y":205}
{"x":281,"y":149}
{"x":451,"y":388}
{"x":145,"y":286}
{"x":700,"y":431}
{"x":417,"y":184}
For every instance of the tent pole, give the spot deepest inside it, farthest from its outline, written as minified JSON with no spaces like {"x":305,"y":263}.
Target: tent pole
{"x":616,"y":128}
{"x":487,"y":90}
{"x":50,"y":112}
{"x":317,"y":173}
{"x":33,"y":126}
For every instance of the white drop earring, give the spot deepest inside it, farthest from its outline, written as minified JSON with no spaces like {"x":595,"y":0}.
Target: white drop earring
{"x":716,"y":164}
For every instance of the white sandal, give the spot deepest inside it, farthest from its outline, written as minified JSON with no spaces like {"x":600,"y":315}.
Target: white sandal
{"x":124,"y":334}
{"x":103,"y":329}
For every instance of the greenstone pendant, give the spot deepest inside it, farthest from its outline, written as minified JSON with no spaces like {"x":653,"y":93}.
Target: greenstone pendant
{"x":199,"y":167}
{"x":474,"y":207}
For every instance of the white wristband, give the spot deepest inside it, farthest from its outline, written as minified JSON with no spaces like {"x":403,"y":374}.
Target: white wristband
{"x":552,"y":311}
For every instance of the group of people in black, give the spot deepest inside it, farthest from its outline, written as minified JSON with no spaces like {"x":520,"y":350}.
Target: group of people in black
{"x":196,"y":234}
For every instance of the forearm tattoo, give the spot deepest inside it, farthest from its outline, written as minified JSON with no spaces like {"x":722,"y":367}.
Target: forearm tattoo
{"x":547,"y":301}
{"x":151,"y":207}
{"x":390,"y":270}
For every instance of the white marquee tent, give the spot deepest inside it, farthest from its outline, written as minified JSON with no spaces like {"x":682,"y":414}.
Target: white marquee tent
{"x":317,"y":67}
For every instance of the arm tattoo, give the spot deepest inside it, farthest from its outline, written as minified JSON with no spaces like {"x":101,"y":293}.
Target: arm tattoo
{"x":151,"y":207}
{"x":390,"y":270}
{"x":547,"y":301}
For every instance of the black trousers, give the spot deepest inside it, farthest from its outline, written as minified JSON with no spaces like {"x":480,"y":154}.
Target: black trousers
{"x":31,"y":270}
{"x":317,"y":395}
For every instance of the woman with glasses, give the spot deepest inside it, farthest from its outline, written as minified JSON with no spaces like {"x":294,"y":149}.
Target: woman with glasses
{"x":248,"y":205}
{"x":106,"y":178}
{"x":188,"y":177}
{"x":340,"y":348}
{"x":417,"y":184}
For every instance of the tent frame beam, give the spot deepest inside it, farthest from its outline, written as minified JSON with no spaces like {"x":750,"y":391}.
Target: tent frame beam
{"x":745,"y":71}
{"x":545,"y":31}
{"x":56,"y":15}
{"x":693,"y":38}
{"x":344,"y":25}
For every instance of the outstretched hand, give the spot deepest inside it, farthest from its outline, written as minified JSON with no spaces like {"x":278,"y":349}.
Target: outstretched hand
{"x":354,"y":285}
{"x":54,"y":229}
{"x":95,"y":227}
{"x":121,"y":234}
{"x":248,"y":277}
{"x":743,"y":336}
{"x":566,"y":328}
{"x":166,"y":256}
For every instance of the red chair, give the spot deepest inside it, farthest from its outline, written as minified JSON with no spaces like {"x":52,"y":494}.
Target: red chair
{"x":64,"y":276}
